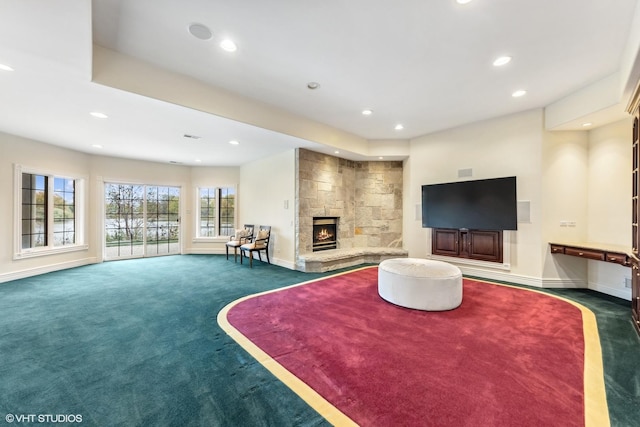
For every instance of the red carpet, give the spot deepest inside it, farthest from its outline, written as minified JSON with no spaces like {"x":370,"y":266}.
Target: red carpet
{"x":505,"y":357}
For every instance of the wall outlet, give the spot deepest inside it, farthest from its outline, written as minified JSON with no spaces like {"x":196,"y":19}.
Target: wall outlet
{"x":627,"y":282}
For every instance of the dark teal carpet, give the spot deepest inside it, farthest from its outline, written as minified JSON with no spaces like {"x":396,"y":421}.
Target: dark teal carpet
{"x":137,"y":343}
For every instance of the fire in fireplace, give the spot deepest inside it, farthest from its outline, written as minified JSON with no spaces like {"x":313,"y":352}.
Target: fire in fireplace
{"x":325,"y":233}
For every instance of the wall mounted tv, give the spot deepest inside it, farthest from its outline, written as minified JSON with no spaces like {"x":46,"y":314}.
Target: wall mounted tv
{"x":484,"y":204}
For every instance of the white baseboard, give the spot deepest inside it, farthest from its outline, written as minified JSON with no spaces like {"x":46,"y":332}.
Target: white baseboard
{"x":537,"y":282}
{"x":547,"y":283}
{"x":466,"y":270}
{"x":610,"y":290}
{"x":502,"y":276}
{"x":221,"y":251}
{"x":284,"y":263}
{"x":205,"y":251}
{"x":15,"y":275}
{"x":564,"y":283}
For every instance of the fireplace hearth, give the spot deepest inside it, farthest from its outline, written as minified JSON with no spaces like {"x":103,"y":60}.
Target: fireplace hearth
{"x":325,"y":233}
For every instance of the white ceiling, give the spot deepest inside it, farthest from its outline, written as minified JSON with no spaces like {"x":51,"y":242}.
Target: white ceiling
{"x":425,"y":64}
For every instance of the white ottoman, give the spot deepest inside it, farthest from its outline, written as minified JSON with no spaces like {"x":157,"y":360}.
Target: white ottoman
{"x":422,"y":284}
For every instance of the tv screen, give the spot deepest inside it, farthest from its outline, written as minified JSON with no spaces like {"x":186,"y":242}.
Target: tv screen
{"x":484,"y":204}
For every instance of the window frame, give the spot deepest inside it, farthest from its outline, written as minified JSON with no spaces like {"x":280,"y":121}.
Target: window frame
{"x":80,"y":203}
{"x":217,"y":237}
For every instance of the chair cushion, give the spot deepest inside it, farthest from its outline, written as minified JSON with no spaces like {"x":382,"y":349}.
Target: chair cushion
{"x":262,"y":234}
{"x":240,"y":232}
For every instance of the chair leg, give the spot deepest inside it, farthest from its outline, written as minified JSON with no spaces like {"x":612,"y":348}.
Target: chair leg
{"x":226,"y":248}
{"x":267,"y":251}
{"x":235,"y":254}
{"x":251,"y":259}
{"x":259,"y":256}
{"x":241,"y":255}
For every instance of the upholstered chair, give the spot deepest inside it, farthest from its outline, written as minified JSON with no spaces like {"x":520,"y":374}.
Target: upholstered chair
{"x":240,"y":237}
{"x":259,"y":244}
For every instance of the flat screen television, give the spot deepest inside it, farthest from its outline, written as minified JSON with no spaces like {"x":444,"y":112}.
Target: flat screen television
{"x":484,"y":204}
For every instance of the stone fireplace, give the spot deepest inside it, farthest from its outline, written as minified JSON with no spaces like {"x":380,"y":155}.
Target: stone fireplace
{"x":325,"y":233}
{"x":366,"y":196}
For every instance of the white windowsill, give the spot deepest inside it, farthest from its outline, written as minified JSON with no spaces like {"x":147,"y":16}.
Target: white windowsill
{"x":210,"y":239}
{"x":32,"y":253}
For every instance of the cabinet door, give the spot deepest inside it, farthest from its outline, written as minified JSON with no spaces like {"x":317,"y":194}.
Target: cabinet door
{"x":444,"y":241}
{"x":485,"y":245}
{"x":635,"y":291}
{"x":635,"y":183}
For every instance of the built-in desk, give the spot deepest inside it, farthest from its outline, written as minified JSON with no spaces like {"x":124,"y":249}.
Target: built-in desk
{"x":608,"y":253}
{"x":596,"y":251}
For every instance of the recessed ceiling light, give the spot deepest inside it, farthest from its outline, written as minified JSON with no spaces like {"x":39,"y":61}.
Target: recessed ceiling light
{"x":503,"y":60}
{"x":367,"y":112}
{"x":380,"y":158}
{"x":96,"y":146}
{"x":200,"y":31}
{"x":336,"y":152}
{"x":4,"y":67}
{"x":519,"y":93}
{"x":234,"y":142}
{"x":99,"y":115}
{"x":313,"y":85}
{"x":198,"y":161}
{"x":587,"y":124}
{"x":228,"y":45}
{"x":399,"y":127}
{"x":463,"y":1}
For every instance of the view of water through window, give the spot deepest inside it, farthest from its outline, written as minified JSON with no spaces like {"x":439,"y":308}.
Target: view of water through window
{"x":141,"y":220}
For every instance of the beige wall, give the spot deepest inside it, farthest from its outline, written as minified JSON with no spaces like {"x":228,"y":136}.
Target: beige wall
{"x":96,"y":170}
{"x":587,"y":182}
{"x":577,"y":183}
{"x":580,"y":177}
{"x":49,"y":159}
{"x":267,"y":189}
{"x":506,"y":146}
{"x":609,"y":202}
{"x":565,"y":183}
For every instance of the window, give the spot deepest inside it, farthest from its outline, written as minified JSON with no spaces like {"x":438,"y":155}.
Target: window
{"x":216,"y":211}
{"x":47,"y":209}
{"x":141,"y":220}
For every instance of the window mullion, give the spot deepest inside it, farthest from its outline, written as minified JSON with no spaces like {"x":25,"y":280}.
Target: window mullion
{"x":49,"y":196}
{"x":218,"y":192}
{"x":145,"y":220}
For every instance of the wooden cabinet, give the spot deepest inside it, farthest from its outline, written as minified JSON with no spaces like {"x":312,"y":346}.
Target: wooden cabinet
{"x":598,"y":252}
{"x":635,"y":178}
{"x":585,"y":253}
{"x":635,"y":291}
{"x":634,"y":110}
{"x":483,"y":245}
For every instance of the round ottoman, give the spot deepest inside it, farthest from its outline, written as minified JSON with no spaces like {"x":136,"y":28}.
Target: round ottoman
{"x":422,"y":284}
